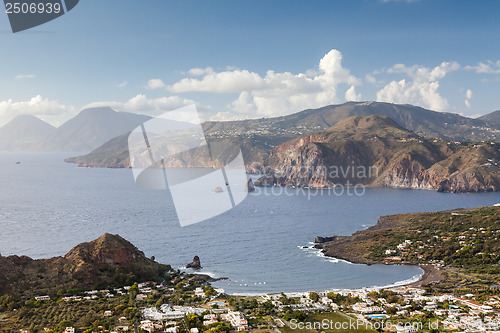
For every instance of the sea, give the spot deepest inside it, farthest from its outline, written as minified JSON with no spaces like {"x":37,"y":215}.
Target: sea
{"x":263,"y":245}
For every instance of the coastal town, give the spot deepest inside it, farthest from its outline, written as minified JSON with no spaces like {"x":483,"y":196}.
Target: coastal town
{"x":459,"y":290}
{"x":189,"y":305}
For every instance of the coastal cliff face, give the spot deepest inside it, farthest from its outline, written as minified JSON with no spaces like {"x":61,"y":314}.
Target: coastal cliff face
{"x":375,"y":151}
{"x":108,"y":260}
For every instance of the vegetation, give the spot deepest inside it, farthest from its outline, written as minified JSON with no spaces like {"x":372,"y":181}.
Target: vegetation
{"x":465,"y":243}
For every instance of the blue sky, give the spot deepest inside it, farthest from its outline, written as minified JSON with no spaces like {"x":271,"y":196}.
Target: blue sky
{"x":248,"y":59}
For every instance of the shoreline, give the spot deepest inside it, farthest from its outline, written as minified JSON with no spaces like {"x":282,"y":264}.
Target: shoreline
{"x":429,"y":275}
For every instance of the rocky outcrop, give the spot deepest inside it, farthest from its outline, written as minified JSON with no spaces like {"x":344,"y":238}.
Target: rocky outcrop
{"x":320,"y":239}
{"x":249,"y":186}
{"x":375,"y":151}
{"x":195,"y":264}
{"x":107,"y":261}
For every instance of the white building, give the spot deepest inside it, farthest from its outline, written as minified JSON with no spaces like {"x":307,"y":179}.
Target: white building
{"x":199,"y":292}
{"x":237,"y":320}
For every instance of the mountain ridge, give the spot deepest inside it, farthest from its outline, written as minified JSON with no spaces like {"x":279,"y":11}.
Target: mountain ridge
{"x":23,"y":133}
{"x":257,"y":137}
{"x":89,"y":129}
{"x":383,"y":154}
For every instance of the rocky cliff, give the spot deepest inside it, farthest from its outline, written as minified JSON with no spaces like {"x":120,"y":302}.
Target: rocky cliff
{"x":376,"y":151}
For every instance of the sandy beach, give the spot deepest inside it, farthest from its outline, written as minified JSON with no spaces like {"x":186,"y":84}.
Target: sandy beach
{"x":431,"y":275}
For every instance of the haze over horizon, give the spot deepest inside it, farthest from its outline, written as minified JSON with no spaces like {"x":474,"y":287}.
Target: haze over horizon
{"x":253,"y":60}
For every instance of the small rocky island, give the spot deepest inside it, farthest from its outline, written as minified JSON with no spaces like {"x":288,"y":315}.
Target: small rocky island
{"x":195,"y":264}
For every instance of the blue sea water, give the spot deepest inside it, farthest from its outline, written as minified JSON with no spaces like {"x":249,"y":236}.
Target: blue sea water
{"x":263,"y":245}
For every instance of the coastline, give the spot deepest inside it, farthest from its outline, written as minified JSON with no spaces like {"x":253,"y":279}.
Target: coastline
{"x":421,"y":280}
{"x":431,"y":275}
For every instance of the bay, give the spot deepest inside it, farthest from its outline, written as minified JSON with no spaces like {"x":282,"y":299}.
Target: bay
{"x":263,"y":245}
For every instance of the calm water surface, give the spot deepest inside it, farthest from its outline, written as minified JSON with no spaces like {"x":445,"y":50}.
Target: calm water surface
{"x":48,"y":206}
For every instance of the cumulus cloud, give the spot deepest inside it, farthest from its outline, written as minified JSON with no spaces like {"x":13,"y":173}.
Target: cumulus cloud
{"x":37,"y":106}
{"x":489,"y":67}
{"x":150,"y":106}
{"x":351,"y":95}
{"x":421,"y":88}
{"x":24,"y":76}
{"x":156,"y":84}
{"x":229,"y":81}
{"x":123,"y":84}
{"x":274,"y":93}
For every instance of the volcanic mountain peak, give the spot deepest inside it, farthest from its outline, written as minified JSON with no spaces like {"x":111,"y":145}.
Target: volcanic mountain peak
{"x":108,"y":249}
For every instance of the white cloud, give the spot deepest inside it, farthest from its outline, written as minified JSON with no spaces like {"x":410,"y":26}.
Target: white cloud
{"x":468,"y":96}
{"x":275,"y":93}
{"x":370,"y":79}
{"x":144,"y":105}
{"x":24,"y":76}
{"x":229,"y":81}
{"x":37,"y":105}
{"x":123,"y":84}
{"x":489,"y":67}
{"x":227,"y":116}
{"x":201,"y":71}
{"x":156,"y":84}
{"x":351,"y":95}
{"x":421,"y":89}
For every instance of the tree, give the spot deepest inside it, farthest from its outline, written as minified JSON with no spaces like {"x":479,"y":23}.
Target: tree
{"x":314,"y":296}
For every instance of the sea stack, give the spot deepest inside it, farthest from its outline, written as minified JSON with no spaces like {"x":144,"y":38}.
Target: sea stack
{"x":249,"y":187}
{"x":195,"y":264}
